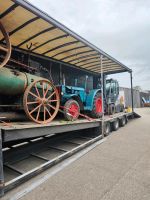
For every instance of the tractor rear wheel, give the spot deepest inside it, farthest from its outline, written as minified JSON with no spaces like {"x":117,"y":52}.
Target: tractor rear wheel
{"x":97,"y":106}
{"x":71,"y":110}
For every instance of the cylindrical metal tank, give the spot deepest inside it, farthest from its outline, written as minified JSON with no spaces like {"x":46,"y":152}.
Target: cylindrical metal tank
{"x":13,"y":82}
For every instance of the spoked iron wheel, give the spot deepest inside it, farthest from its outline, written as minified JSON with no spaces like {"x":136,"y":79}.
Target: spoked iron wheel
{"x":41,"y":101}
{"x":5,"y":48}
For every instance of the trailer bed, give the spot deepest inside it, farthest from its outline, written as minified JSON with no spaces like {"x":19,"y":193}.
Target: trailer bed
{"x":24,"y":130}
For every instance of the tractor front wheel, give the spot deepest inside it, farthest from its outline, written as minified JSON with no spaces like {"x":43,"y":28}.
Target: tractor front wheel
{"x":97,"y":106}
{"x":71,"y":110}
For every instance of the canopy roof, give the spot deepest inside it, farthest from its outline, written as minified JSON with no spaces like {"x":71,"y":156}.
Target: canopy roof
{"x":30,"y":27}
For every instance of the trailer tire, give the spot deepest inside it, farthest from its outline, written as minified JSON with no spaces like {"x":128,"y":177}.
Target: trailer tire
{"x":115,"y":125}
{"x":107,"y":128}
{"x":122,"y":121}
{"x":71,"y":110}
{"x":97,"y":106}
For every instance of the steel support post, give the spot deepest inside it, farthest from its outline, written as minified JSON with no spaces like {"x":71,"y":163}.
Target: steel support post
{"x":132,"y":104}
{"x":1,"y":168}
{"x":102,"y":92}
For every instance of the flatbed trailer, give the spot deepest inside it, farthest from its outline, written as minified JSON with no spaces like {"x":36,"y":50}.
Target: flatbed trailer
{"x":44,"y":146}
{"x":26,"y":130}
{"x":22,"y":141}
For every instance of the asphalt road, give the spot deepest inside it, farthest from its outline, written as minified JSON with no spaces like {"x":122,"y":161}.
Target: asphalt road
{"x":118,"y":169}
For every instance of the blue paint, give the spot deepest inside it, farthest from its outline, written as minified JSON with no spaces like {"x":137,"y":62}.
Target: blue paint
{"x":85,"y":97}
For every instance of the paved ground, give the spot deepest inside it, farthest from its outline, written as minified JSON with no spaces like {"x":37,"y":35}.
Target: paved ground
{"x":118,"y":169}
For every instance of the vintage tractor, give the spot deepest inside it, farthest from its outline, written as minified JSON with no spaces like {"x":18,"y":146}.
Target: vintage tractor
{"x":20,"y":90}
{"x":111,"y":94}
{"x":78,"y":99}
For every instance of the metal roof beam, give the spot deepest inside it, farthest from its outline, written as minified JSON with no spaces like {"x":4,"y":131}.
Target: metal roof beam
{"x":95,"y":62}
{"x":89,"y":59}
{"x":94,"y":66}
{"x":68,"y":50}
{"x":98,"y":61}
{"x":6,"y":12}
{"x":76,"y":54}
{"x":51,"y":40}
{"x":107,"y":69}
{"x":37,"y":34}
{"x":60,"y":46}
{"x":87,"y":56}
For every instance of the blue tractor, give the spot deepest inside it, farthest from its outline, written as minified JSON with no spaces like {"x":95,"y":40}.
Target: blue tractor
{"x":75,"y":99}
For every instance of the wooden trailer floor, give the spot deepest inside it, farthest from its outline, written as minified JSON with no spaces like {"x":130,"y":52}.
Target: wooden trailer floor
{"x":56,"y":122}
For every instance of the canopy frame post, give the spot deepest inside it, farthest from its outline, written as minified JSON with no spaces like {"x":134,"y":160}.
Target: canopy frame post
{"x":132,"y":102}
{"x":102,"y":94}
{"x":1,"y":168}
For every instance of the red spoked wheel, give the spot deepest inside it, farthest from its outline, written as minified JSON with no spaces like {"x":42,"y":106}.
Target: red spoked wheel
{"x":97,"y":106}
{"x":5,"y":48}
{"x":41,"y":101}
{"x":71,"y":110}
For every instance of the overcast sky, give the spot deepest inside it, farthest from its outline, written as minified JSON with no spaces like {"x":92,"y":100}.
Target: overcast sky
{"x":120,"y":28}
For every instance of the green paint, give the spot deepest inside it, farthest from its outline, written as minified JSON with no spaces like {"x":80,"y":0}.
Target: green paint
{"x":12,"y":82}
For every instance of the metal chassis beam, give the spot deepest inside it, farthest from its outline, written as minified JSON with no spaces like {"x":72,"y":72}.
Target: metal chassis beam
{"x":131,"y":79}
{"x":18,"y":134}
{"x":1,"y":168}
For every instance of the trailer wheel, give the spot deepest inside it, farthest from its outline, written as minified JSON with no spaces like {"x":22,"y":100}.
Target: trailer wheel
{"x":97,"y":106}
{"x":107,"y":128}
{"x":115,"y":125}
{"x":122,"y":121}
{"x":71,"y":110}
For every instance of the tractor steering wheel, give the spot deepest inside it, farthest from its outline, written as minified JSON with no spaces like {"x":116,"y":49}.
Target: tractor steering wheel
{"x":4,"y":47}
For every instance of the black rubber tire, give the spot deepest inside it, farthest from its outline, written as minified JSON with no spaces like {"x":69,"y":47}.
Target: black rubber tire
{"x":107,"y":128}
{"x":111,"y":109}
{"x":67,"y":105}
{"x":122,"y":121}
{"x":94,"y":114}
{"x":115,"y":125}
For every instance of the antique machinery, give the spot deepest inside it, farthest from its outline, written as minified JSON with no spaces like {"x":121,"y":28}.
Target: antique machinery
{"x":20,"y":91}
{"x":111,"y":94}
